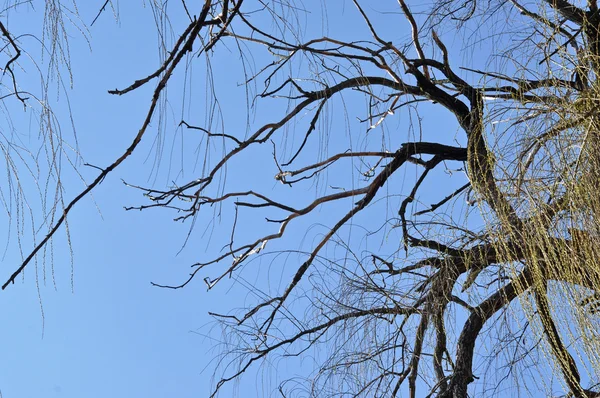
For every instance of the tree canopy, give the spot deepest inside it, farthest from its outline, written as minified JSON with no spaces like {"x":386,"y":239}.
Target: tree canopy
{"x":407,"y":191}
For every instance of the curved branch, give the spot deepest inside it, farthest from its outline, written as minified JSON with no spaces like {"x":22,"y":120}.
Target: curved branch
{"x":463,"y":372}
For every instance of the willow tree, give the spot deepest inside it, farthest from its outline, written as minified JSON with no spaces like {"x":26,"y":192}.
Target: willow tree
{"x":432,"y":230}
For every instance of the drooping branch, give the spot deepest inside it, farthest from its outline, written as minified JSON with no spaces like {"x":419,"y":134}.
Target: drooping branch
{"x":564,"y":359}
{"x":187,"y":39}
